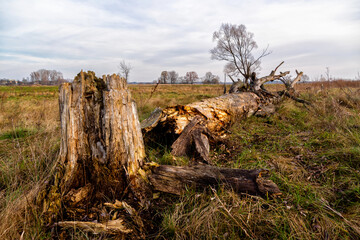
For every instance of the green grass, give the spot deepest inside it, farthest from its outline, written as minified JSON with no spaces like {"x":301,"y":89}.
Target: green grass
{"x":16,"y":133}
{"x":313,"y":155}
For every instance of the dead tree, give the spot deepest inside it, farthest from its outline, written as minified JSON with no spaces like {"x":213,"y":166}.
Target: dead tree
{"x":193,"y":126}
{"x":101,"y":168}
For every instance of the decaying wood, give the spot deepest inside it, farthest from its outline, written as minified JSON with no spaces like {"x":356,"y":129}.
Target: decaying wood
{"x":101,"y":150}
{"x":259,"y":82}
{"x":213,"y":118}
{"x":215,"y":115}
{"x":100,"y":134}
{"x":109,"y":227}
{"x":194,"y":135}
{"x":175,"y":179}
{"x":102,"y":154}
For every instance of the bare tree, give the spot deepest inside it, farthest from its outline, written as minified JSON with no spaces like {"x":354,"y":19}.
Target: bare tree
{"x":305,"y":78}
{"x":34,"y":76}
{"x":209,"y":78}
{"x":191,"y":77}
{"x":173,"y":77}
{"x":164,"y":77}
{"x":235,"y":45}
{"x":125,"y":69}
{"x":56,"y":76}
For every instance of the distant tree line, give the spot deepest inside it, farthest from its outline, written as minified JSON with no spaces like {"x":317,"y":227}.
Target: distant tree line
{"x":47,"y":77}
{"x":172,"y":77}
{"x":41,"y":76}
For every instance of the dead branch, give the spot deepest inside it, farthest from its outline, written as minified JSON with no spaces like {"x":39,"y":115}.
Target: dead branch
{"x":175,"y":179}
{"x":259,"y":82}
{"x":273,"y":72}
{"x":110,"y":227}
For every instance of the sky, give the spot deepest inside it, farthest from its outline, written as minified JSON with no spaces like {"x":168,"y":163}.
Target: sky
{"x":157,"y":35}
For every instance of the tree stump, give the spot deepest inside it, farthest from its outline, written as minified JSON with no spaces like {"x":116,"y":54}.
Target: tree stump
{"x":101,"y":148}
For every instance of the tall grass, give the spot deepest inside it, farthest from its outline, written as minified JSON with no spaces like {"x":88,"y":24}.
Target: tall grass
{"x":29,"y":144}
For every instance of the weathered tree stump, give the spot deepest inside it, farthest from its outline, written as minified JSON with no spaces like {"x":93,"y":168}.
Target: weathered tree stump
{"x":101,"y":153}
{"x":101,"y":140}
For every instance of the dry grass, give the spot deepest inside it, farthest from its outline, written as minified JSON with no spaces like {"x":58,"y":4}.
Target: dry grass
{"x":226,"y":215}
{"x":29,"y":144}
{"x":313,"y":154}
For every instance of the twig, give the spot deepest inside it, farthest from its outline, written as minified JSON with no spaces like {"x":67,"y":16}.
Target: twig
{"x":153,"y":91}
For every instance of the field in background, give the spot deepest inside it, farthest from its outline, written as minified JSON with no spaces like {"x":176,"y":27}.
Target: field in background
{"x":313,"y":153}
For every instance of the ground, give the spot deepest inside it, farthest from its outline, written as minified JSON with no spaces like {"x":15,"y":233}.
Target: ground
{"x":312,"y":152}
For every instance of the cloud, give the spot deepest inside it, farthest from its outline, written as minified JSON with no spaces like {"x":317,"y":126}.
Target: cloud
{"x":162,"y":35}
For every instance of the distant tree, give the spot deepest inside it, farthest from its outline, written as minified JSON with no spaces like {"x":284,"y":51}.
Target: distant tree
{"x":56,"y":76}
{"x":305,"y":78}
{"x":44,"y":76}
{"x":209,"y":78}
{"x":173,"y":77}
{"x":235,"y":45}
{"x":164,"y":77}
{"x":34,"y":76}
{"x":191,"y":77}
{"x":125,"y":69}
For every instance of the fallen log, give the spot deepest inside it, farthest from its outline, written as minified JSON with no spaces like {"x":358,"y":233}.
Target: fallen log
{"x":102,"y":159}
{"x":175,"y":179}
{"x":216,"y":113}
{"x":189,"y":128}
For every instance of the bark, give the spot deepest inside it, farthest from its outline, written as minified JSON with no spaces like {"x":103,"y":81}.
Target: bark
{"x":193,"y":135}
{"x":175,"y":179}
{"x":258,"y":83}
{"x":190,"y":129}
{"x":101,"y":149}
{"x":216,"y":113}
{"x":101,"y":136}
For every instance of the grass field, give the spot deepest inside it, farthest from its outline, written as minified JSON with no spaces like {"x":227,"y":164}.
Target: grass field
{"x":313,"y":153}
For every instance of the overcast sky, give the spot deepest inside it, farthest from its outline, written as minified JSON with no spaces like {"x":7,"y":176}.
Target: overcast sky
{"x":157,"y":35}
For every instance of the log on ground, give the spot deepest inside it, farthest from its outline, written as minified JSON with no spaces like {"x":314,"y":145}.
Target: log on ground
{"x":176,"y":179}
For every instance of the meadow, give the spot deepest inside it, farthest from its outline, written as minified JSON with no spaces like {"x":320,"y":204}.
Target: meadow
{"x":312,"y":152}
